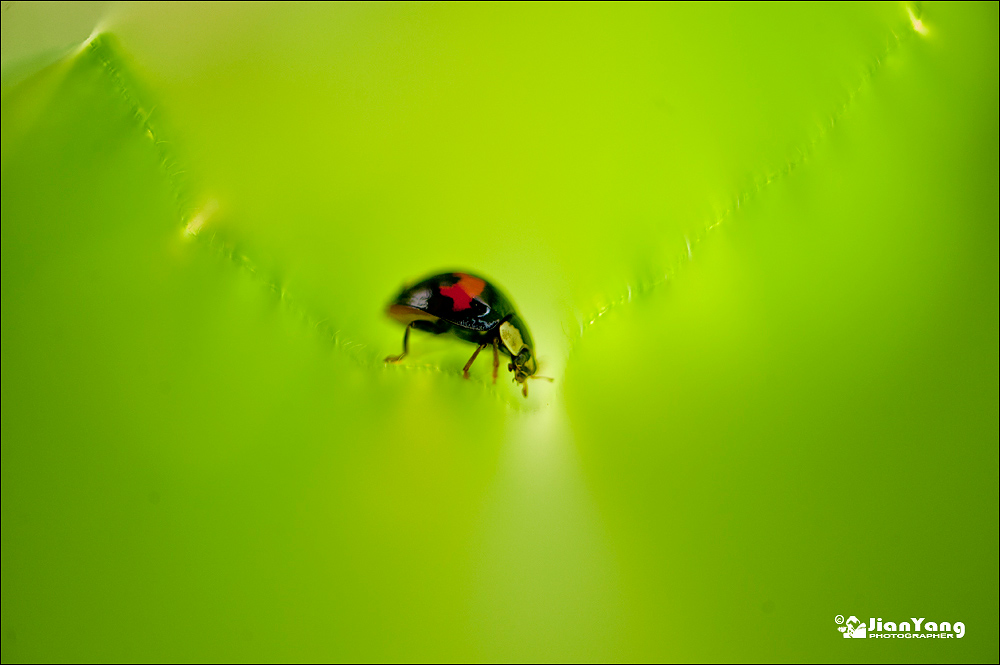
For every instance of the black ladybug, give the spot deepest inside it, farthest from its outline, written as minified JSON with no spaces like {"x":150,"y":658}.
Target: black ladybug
{"x":472,"y":309}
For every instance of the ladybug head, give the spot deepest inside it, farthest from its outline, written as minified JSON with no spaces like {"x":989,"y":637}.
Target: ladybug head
{"x":523,"y":365}
{"x":517,"y":343}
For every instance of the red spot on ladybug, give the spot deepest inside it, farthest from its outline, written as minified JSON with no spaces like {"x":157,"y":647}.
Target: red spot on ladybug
{"x":463,"y":291}
{"x":461,"y":298}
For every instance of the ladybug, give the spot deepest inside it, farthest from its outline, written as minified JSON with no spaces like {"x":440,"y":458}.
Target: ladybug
{"x":472,"y":309}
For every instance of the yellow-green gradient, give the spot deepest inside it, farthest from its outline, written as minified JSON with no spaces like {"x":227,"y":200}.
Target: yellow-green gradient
{"x":757,"y":246}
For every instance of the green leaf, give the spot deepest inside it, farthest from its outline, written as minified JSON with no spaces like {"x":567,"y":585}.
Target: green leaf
{"x":757,"y":248}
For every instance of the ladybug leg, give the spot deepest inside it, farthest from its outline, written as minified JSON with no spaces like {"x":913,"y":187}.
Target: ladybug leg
{"x":406,"y":346}
{"x":496,"y":358}
{"x":465,"y":370}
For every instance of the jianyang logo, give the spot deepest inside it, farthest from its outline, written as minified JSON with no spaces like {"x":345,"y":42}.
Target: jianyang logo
{"x":911,"y":628}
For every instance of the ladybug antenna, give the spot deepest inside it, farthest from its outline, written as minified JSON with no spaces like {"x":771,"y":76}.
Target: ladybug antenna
{"x":539,"y":376}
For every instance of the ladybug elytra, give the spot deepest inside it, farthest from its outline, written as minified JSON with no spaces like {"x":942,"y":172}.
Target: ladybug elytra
{"x":472,"y":309}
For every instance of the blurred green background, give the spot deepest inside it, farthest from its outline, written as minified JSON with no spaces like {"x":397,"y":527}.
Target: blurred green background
{"x":757,"y":247}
